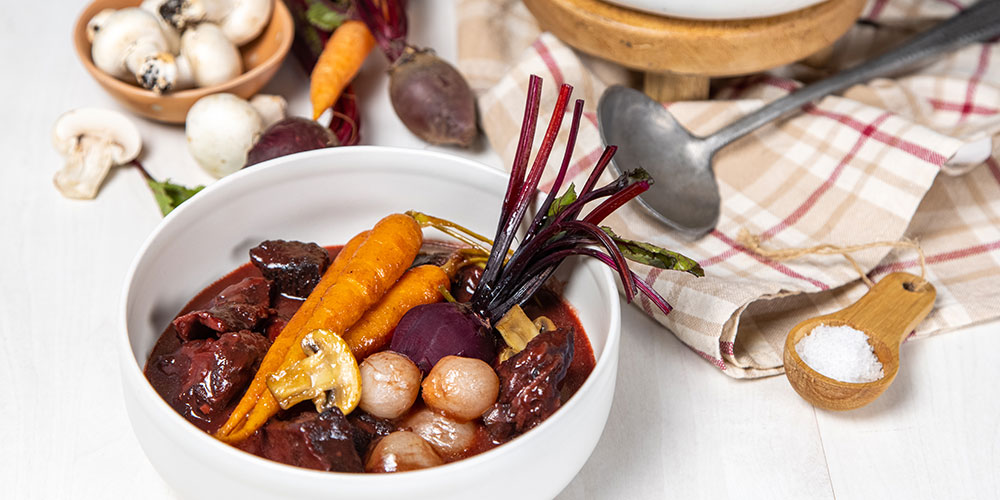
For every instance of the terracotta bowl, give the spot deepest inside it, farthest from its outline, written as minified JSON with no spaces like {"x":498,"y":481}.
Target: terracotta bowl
{"x":261,"y":59}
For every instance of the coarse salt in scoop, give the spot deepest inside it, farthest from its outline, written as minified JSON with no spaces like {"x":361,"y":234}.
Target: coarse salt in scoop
{"x":841,"y":353}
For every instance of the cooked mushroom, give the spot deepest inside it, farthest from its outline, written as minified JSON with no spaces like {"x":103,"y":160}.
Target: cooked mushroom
{"x":221,"y":129}
{"x":240,"y":20}
{"x":92,"y":140}
{"x":124,"y":41}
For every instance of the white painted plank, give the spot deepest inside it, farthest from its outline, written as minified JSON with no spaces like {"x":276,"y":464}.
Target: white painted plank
{"x":680,"y":429}
{"x":935,"y":433}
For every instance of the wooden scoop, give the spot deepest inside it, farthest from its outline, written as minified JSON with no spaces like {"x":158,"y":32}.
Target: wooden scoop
{"x":887,"y":314}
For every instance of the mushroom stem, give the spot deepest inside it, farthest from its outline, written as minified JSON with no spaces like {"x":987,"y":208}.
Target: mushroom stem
{"x":86,"y":166}
{"x":240,"y":20}
{"x":92,"y":140}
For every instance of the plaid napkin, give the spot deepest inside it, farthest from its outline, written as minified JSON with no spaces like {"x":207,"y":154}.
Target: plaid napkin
{"x":890,"y":159}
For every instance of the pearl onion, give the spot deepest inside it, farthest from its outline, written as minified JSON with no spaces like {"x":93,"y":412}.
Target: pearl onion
{"x":402,"y":451}
{"x":390,"y":383}
{"x":448,"y":436}
{"x":462,"y":388}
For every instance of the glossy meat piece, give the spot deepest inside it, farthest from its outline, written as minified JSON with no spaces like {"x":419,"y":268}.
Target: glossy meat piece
{"x":529,"y":384}
{"x":238,"y":307}
{"x":295,"y":267}
{"x":368,"y":428}
{"x":321,"y":441}
{"x":464,"y":284}
{"x":203,"y":377}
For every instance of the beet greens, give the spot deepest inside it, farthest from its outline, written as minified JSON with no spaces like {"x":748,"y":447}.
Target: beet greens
{"x":557,"y":231}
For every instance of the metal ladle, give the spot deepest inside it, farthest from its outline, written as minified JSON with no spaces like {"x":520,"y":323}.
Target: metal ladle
{"x":685,"y":195}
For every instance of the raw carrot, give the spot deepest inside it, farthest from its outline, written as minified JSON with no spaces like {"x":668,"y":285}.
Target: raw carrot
{"x":375,"y":266}
{"x":286,"y":339}
{"x":340,"y":60}
{"x":373,"y":331}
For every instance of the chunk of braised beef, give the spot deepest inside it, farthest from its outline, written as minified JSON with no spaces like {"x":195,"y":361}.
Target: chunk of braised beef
{"x":209,"y":374}
{"x":321,"y":441}
{"x":295,"y":267}
{"x":368,"y":428}
{"x":529,"y":384}
{"x":464,"y":284}
{"x":240,"y":306}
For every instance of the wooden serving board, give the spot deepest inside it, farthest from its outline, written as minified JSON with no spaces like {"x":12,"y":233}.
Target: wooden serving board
{"x":680,"y":55}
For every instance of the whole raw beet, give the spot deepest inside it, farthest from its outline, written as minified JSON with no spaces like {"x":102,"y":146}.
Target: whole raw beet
{"x":291,"y":135}
{"x":432,"y":99}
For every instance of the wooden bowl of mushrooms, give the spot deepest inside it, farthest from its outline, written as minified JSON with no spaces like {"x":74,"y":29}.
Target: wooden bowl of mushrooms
{"x":157,"y":57}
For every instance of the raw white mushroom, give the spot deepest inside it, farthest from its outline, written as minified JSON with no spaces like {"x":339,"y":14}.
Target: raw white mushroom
{"x":92,"y":140}
{"x":213,"y":59}
{"x":173,"y":36}
{"x":97,"y":22}
{"x":124,"y":41}
{"x":221,"y":129}
{"x":240,"y":20}
{"x":271,"y":108}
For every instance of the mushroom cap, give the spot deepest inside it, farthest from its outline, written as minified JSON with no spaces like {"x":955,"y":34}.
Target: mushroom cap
{"x":212,"y":57}
{"x":220,"y":130}
{"x":271,"y":108}
{"x":246,"y":20}
{"x":172,"y":35}
{"x":117,"y":36}
{"x":97,"y":22}
{"x":110,"y":126}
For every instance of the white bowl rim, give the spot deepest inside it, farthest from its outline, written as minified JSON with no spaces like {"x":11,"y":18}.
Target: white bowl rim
{"x":132,"y":368}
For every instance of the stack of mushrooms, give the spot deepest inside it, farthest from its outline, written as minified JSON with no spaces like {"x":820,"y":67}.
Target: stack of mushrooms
{"x":166,"y":45}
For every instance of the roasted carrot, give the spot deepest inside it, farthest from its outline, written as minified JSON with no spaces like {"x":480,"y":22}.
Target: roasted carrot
{"x":373,"y":331}
{"x":340,"y":60}
{"x":368,"y":274}
{"x":286,"y":339}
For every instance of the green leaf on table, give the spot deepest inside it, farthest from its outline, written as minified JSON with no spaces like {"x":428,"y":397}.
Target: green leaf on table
{"x":169,"y":195}
{"x":323,"y":17}
{"x":652,"y":255}
{"x":560,"y":203}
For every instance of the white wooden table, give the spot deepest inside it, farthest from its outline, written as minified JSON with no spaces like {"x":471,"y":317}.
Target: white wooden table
{"x":678,"y":427}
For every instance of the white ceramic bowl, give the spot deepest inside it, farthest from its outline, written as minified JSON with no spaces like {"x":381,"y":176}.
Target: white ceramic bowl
{"x":327,"y":196}
{"x":717,"y":9}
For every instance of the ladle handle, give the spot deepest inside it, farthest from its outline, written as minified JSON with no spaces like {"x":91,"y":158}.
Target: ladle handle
{"x":978,"y":22}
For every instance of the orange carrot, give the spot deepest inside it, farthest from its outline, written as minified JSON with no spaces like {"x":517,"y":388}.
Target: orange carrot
{"x":368,"y":274}
{"x":286,"y":339}
{"x":373,"y":331}
{"x":340,"y":60}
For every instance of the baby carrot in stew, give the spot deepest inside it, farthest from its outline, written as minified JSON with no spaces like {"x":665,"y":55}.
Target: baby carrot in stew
{"x":340,"y":60}
{"x":373,"y":332}
{"x":366,"y":276}
{"x":286,"y":339}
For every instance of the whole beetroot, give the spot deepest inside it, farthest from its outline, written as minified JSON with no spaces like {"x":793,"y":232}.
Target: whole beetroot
{"x":429,"y":95}
{"x":432,"y":99}
{"x":290,"y":135}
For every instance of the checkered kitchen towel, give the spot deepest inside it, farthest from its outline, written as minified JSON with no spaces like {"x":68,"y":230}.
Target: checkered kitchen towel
{"x":890,"y":159}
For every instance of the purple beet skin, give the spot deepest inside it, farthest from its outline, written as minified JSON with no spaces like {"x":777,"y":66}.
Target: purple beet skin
{"x":430,"y":332}
{"x":291,"y":135}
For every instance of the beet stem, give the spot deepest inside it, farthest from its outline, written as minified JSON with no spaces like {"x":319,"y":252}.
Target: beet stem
{"x":513,"y":213}
{"x":542,"y":215}
{"x":387,"y":25}
{"x":616,"y":201}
